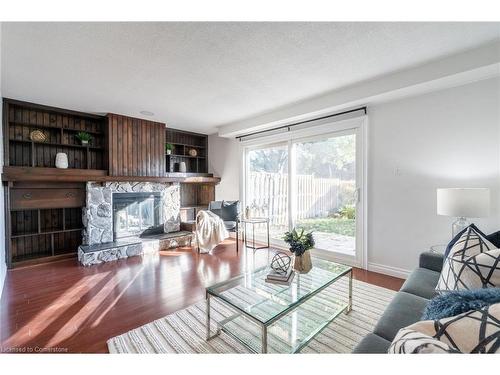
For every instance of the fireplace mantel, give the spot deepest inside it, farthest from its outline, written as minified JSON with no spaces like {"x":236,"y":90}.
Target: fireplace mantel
{"x":83,"y":175}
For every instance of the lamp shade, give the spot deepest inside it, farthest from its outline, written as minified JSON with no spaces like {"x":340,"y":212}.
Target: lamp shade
{"x":463,"y":202}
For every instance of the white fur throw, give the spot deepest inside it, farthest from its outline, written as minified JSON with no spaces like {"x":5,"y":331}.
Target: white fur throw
{"x":210,"y":230}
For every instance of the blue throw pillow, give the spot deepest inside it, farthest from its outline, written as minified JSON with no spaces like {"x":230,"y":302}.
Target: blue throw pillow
{"x":456,"y":302}
{"x":457,"y":237}
{"x":230,"y":210}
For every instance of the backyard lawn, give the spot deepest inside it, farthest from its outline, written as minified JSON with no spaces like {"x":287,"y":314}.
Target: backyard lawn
{"x":345,"y":227}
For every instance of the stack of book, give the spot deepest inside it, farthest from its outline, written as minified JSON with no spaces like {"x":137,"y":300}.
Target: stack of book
{"x":274,"y":277}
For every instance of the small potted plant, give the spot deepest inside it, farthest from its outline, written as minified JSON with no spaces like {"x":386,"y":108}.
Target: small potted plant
{"x":300,"y":244}
{"x":84,"y":137}
{"x":168,"y":148}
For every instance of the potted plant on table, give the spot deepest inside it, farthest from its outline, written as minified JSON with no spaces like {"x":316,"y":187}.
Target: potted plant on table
{"x":300,"y":244}
{"x":168,"y":148}
{"x":84,"y":137}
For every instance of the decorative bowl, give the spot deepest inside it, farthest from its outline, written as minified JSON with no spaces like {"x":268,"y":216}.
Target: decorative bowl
{"x":38,"y":136}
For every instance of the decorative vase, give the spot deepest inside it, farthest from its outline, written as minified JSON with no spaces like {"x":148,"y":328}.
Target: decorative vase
{"x":182,"y":167}
{"x":85,"y":143}
{"x":169,"y":152}
{"x":61,"y":160}
{"x":302,"y":263}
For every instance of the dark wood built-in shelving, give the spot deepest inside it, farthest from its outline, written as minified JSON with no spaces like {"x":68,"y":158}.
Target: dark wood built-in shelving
{"x":44,"y":221}
{"x":182,"y":142}
{"x":44,"y":204}
{"x":60,"y":127}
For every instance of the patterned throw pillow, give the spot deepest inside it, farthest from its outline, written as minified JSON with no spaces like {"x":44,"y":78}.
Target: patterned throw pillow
{"x":476,"y":331}
{"x":472,"y":263}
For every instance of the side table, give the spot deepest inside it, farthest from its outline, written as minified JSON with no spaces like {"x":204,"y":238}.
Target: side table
{"x":254,"y":221}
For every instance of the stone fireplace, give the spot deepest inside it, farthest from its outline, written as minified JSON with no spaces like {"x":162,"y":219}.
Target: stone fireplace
{"x":136,"y":204}
{"x":124,"y":219}
{"x":137,"y":214}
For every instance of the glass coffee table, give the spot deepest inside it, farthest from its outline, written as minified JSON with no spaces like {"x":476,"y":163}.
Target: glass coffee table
{"x":283,"y":318}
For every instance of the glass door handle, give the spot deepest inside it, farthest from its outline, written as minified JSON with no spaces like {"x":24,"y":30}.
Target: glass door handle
{"x":357,"y":195}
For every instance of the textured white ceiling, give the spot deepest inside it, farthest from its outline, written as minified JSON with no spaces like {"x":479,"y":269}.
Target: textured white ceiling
{"x":197,"y":76}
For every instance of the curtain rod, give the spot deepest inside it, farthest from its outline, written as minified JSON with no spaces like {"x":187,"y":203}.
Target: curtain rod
{"x":302,"y":122}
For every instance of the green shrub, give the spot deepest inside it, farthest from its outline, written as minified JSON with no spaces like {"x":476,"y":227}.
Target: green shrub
{"x":348,"y":212}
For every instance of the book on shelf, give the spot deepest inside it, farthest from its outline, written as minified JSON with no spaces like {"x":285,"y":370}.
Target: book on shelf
{"x":281,"y":282}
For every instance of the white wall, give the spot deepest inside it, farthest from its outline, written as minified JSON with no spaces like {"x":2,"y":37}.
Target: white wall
{"x":448,"y":138}
{"x":3,"y":269}
{"x":224,"y":162}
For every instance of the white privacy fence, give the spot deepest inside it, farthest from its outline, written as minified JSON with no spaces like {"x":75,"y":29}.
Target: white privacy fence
{"x":315,"y":197}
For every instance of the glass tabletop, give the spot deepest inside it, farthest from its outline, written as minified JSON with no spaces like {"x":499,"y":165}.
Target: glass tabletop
{"x":265,"y":301}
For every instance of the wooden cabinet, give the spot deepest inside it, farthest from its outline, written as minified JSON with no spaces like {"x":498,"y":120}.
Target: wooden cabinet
{"x":46,"y":198}
{"x":44,"y":220}
{"x":136,"y":147}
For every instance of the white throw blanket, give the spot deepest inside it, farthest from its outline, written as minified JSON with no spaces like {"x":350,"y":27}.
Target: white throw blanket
{"x":210,"y":230}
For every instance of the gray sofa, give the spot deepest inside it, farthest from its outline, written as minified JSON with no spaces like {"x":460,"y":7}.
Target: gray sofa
{"x":407,"y":306}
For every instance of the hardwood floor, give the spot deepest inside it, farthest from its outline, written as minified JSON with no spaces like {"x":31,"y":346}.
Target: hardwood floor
{"x":76,"y":309}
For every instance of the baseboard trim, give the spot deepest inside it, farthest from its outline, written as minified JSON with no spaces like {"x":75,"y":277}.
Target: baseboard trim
{"x":388,"y":270}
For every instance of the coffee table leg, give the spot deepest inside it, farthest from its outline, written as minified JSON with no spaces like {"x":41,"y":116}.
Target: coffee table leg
{"x":349,"y":306}
{"x":208,"y":316}
{"x":268,"y":234}
{"x":264,"y":339}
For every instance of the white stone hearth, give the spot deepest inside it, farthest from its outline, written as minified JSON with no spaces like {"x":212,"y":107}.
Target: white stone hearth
{"x":98,"y":213}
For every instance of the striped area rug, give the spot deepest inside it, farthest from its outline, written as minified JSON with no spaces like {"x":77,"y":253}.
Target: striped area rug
{"x":185,"y":330}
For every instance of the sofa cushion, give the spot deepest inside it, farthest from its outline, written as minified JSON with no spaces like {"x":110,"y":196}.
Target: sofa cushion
{"x":455,"y":239}
{"x":230,"y":210}
{"x":421,"y":282}
{"x":409,"y":341}
{"x":372,"y":343}
{"x":404,"y":309}
{"x":473,"y":262}
{"x":475,"y":331}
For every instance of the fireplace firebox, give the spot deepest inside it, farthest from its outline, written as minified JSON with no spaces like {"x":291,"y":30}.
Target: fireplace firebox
{"x":136,"y":214}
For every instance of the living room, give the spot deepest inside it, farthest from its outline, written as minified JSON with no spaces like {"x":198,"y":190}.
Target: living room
{"x":254,"y":187}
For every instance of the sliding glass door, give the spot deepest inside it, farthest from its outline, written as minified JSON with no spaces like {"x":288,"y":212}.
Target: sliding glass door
{"x":311,"y":182}
{"x":324,"y":190}
{"x":267,"y":188}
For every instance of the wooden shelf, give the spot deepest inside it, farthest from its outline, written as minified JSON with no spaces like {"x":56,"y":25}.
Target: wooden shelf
{"x":42,"y":233}
{"x":56,"y":144}
{"x":186,"y":156}
{"x":182,"y":141}
{"x":186,"y":145}
{"x":50,"y":232}
{"x":60,"y":127}
{"x":84,"y":175}
{"x":55,"y":127}
{"x":50,"y":174}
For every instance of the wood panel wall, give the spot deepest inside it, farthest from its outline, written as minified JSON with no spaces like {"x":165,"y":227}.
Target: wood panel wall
{"x":136,"y":147}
